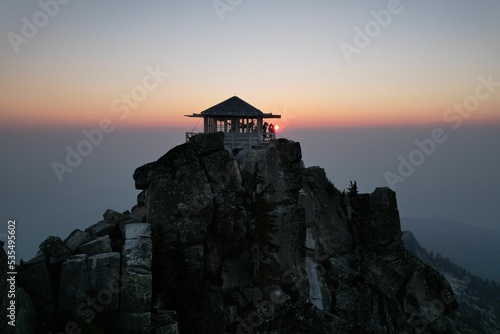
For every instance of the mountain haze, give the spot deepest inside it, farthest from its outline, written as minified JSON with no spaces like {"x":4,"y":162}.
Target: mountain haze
{"x":469,"y":246}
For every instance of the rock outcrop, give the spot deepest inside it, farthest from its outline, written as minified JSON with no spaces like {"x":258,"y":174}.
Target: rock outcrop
{"x":246,"y":241}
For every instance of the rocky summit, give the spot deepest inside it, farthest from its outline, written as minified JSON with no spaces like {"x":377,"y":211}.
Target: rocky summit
{"x":235,"y":241}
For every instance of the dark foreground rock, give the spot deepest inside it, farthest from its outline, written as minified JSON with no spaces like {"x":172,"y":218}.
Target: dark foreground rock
{"x":246,"y":241}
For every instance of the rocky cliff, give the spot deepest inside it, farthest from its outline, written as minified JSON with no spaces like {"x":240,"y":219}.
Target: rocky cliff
{"x":246,"y":241}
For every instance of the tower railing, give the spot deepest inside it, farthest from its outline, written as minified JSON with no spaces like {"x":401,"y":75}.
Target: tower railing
{"x":242,"y":140}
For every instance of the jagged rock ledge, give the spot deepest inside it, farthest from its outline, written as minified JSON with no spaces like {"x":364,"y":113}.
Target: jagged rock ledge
{"x":224,"y":241}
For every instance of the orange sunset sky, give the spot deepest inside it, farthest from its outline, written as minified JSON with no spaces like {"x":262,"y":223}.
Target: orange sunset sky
{"x":285,"y":57}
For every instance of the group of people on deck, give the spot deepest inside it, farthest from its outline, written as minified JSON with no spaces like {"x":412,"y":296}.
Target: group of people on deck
{"x":268,"y":130}
{"x":265,"y":128}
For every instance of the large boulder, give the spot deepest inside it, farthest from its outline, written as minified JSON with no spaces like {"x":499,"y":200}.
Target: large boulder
{"x":97,"y":246}
{"x":25,"y":314}
{"x":389,"y":269}
{"x":137,"y":282}
{"x":379,"y":217}
{"x":180,"y":204}
{"x":326,"y":225}
{"x":75,"y":239}
{"x":58,"y":256}
{"x":281,"y":165}
{"x":49,"y":245}
{"x":428,"y":296}
{"x":137,"y":253}
{"x":104,"y":276}
{"x":136,"y":291}
{"x":111,"y":216}
{"x":205,"y":144}
{"x":37,"y":281}
{"x":74,"y":284}
{"x":100,"y":229}
{"x":136,"y":230}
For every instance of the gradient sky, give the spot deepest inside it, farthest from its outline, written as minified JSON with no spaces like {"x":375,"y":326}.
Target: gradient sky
{"x":280,"y":56}
{"x":276,"y":55}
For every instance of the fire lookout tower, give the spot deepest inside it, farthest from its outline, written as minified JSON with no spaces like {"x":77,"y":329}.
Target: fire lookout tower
{"x":243,"y":125}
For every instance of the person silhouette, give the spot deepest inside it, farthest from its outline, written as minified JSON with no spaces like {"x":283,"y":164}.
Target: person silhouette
{"x":264,"y":130}
{"x":271,"y":127}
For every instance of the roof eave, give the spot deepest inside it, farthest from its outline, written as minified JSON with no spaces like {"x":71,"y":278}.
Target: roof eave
{"x":270,"y":116}
{"x":235,"y":116}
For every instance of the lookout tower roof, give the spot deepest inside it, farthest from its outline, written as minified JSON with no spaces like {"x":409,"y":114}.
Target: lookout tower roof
{"x":234,"y":107}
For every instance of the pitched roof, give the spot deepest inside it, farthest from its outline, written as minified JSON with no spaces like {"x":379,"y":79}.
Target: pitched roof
{"x":233,"y":106}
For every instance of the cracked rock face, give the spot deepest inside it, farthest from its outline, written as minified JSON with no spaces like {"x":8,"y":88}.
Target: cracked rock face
{"x":224,"y":241}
